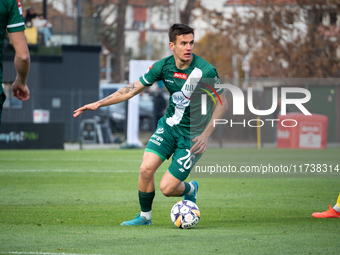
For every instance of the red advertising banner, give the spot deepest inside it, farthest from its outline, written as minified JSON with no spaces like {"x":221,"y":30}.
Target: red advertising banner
{"x":296,"y":130}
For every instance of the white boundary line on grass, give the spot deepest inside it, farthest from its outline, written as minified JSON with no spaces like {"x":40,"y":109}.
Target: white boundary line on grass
{"x":44,"y":253}
{"x":67,"y":171}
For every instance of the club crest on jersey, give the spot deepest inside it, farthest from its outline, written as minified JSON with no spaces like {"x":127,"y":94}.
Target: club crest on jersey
{"x":180,"y":100}
{"x":181,"y":75}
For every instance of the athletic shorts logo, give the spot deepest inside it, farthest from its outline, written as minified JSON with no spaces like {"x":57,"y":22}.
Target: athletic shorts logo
{"x":181,"y":75}
{"x":160,"y":131}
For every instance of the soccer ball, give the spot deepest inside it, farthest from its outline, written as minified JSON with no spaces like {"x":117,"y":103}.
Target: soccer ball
{"x":185,"y":214}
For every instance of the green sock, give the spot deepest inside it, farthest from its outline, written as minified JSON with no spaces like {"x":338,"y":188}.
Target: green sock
{"x":187,"y":188}
{"x":145,"y":200}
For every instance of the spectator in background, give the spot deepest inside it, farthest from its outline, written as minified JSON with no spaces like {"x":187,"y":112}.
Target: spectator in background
{"x":30,"y":14}
{"x":43,"y":27}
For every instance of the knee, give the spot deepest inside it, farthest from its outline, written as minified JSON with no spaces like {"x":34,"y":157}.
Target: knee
{"x":145,"y":171}
{"x":166,"y":189}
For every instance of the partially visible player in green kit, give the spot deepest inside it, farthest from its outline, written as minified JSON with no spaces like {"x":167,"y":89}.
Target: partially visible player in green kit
{"x":11,"y":20}
{"x":186,"y":76}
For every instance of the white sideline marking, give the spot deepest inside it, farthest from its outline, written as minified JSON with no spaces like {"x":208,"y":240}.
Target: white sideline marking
{"x":44,"y":253}
{"x":68,"y":171}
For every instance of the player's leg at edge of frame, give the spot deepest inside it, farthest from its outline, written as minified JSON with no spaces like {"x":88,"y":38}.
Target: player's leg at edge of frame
{"x":331,"y":213}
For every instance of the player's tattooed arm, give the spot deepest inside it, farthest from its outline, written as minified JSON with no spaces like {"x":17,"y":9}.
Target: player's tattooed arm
{"x":119,"y":96}
{"x":123,"y":94}
{"x":130,"y":88}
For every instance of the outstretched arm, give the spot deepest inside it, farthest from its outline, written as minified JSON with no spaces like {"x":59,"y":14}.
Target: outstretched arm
{"x":202,"y":140}
{"x":119,"y":96}
{"x":22,"y":65}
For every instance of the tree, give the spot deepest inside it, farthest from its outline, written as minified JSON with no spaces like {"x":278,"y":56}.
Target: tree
{"x":119,"y":64}
{"x":211,"y":46}
{"x":186,"y":13}
{"x":283,"y":40}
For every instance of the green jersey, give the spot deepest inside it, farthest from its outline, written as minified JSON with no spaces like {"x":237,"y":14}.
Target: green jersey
{"x":186,"y":87}
{"x":12,"y":20}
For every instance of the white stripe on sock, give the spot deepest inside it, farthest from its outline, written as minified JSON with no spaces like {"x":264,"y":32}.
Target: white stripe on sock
{"x":147,"y":215}
{"x":192,"y":188}
{"x":336,"y":208}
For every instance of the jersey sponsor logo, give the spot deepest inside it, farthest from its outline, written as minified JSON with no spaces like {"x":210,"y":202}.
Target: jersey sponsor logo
{"x":155,"y":142}
{"x":169,"y":81}
{"x":181,"y":75}
{"x":20,"y":7}
{"x":156,"y":139}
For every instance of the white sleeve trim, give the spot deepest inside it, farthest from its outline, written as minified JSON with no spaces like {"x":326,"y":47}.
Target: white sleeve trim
{"x":16,"y":25}
{"x":146,"y":80}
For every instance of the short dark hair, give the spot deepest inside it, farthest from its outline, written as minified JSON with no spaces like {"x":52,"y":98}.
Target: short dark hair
{"x":179,"y":29}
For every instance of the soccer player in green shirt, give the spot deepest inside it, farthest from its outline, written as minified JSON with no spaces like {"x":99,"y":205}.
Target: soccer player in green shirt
{"x":11,"y":20}
{"x":185,"y":75}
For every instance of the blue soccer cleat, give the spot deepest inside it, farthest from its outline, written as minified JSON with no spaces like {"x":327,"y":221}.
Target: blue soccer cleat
{"x":193,"y":195}
{"x":138,"y":221}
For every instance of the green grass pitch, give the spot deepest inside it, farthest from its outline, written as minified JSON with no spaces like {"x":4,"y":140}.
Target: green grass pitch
{"x":73,"y":202}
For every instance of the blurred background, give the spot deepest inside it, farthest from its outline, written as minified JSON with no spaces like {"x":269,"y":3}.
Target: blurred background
{"x":83,"y":52}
